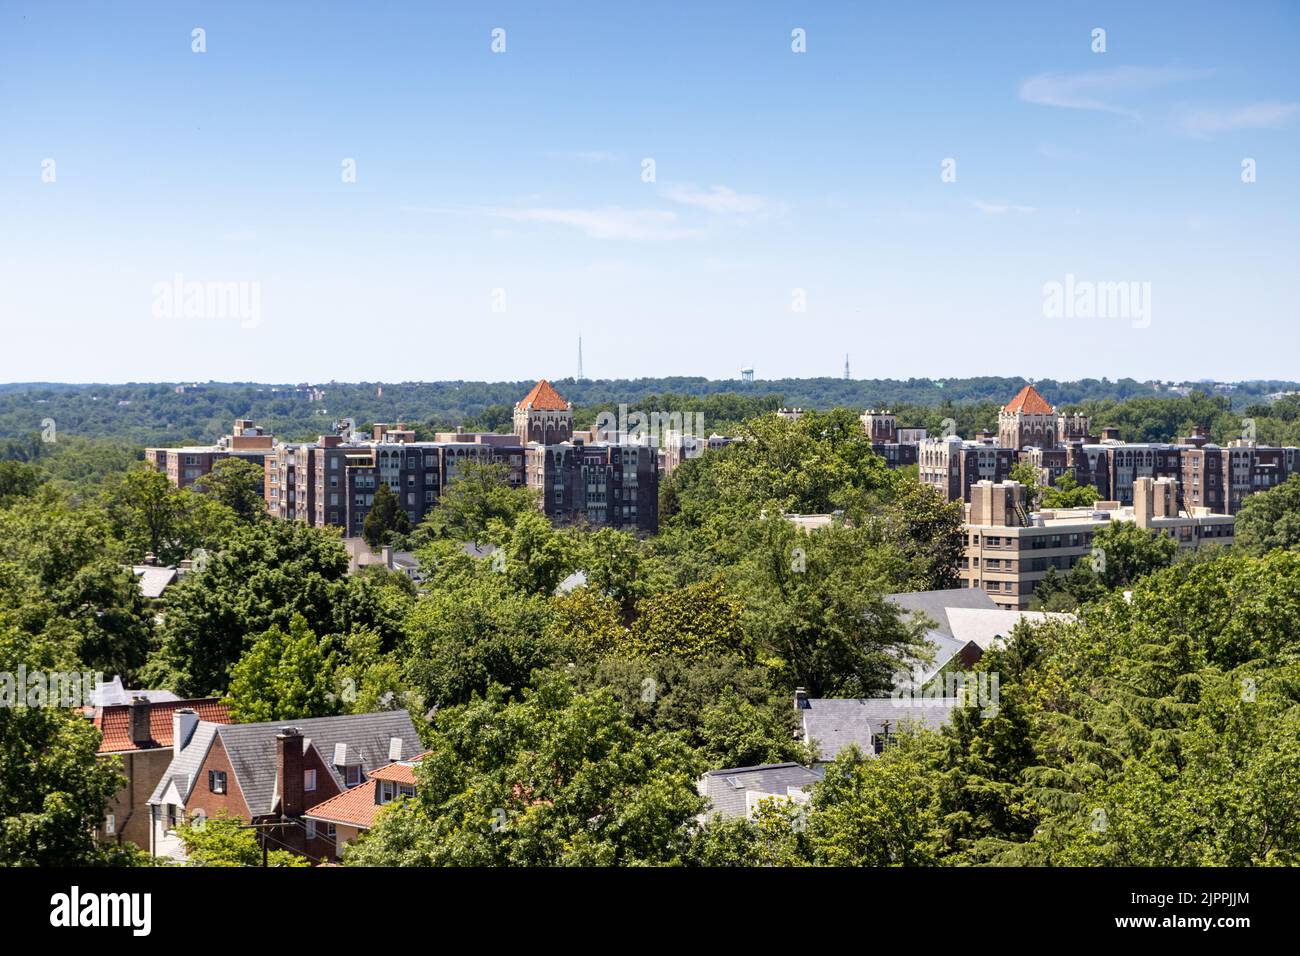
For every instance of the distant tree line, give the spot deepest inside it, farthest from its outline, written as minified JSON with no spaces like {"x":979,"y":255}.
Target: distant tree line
{"x":159,"y":414}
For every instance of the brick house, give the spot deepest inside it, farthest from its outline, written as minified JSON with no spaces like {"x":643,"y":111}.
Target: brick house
{"x":141,"y":734}
{"x":347,"y":815}
{"x":270,"y":773}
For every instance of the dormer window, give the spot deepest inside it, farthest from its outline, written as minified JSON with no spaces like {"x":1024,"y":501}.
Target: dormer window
{"x":352,"y":775}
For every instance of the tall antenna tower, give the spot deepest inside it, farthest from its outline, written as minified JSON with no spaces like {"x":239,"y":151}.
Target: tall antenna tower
{"x":579,"y":358}
{"x":846,"y":366}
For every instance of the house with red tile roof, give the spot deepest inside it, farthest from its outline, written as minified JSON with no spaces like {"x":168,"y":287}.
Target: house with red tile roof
{"x":346,"y":816}
{"x":142,"y":736}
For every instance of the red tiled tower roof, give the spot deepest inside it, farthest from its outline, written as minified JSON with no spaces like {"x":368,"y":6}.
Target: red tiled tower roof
{"x":1028,"y":402}
{"x":544,"y":398}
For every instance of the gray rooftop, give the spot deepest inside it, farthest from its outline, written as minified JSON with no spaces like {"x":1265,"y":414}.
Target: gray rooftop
{"x":725,"y":790}
{"x":935,"y":604}
{"x":251,"y":749}
{"x":835,"y":723}
{"x":182,"y":769}
{"x":944,"y":647}
{"x":154,"y":580}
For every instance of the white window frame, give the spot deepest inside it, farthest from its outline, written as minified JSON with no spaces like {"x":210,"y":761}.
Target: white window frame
{"x":309,"y":781}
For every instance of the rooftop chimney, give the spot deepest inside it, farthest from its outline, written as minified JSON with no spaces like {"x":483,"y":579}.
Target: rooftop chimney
{"x":184,"y":721}
{"x":140,"y":733}
{"x":288,"y":771}
{"x":800,"y":698}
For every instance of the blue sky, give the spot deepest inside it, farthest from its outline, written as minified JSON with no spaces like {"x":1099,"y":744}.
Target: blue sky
{"x":500,"y":210}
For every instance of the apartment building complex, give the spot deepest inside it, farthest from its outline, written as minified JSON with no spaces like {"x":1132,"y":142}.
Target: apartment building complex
{"x":1008,"y":550}
{"x":332,"y":481}
{"x":1210,"y":476}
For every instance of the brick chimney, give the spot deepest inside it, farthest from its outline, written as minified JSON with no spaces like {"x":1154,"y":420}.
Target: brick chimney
{"x":140,"y":733}
{"x":288,"y":771}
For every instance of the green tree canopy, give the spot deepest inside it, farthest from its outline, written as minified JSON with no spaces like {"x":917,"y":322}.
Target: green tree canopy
{"x":236,"y":484}
{"x":284,"y":676}
{"x":555,"y":778}
{"x":1270,"y":519}
{"x":385,"y":518}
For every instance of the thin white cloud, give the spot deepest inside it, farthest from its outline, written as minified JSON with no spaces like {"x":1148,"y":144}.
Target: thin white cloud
{"x":719,"y":200}
{"x":609,"y":222}
{"x":1101,"y":90}
{"x":1000,"y":208}
{"x":1202,"y":122}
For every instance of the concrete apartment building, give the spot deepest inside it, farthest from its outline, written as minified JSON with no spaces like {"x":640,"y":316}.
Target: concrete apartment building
{"x":1009,"y":550}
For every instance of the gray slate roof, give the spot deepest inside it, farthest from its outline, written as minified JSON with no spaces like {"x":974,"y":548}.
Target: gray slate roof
{"x":183,"y":769}
{"x":945,"y":648}
{"x":154,"y":580}
{"x":725,"y":789}
{"x":835,"y":723}
{"x":251,"y":749}
{"x":935,"y":604}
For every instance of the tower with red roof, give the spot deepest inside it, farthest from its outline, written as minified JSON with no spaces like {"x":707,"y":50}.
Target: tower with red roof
{"x":543,"y":416}
{"x":1028,"y":420}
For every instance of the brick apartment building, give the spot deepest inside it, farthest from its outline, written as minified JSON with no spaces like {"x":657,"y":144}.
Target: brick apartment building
{"x":332,"y":481}
{"x":952,"y":466}
{"x":186,"y":465}
{"x":1031,"y":430}
{"x":898,"y":446}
